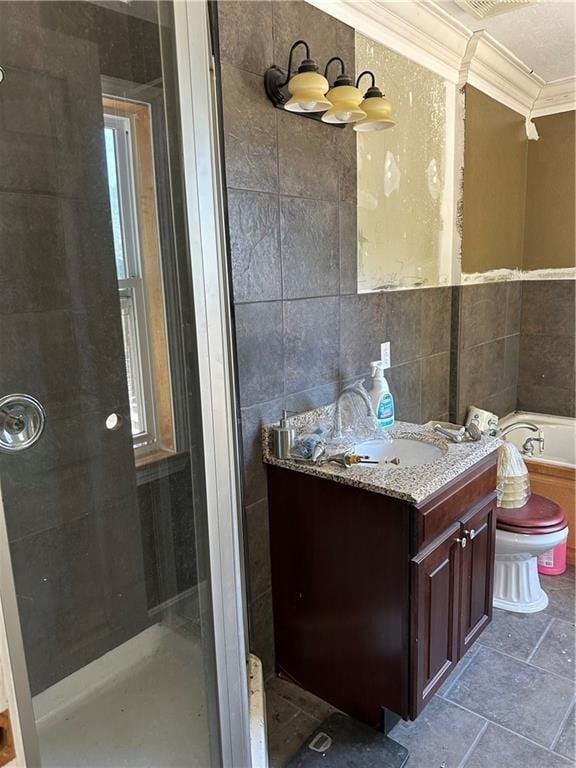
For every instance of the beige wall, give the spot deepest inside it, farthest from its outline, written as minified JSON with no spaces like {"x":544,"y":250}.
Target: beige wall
{"x":401,"y":177}
{"x":549,"y":231}
{"x":495,"y":154}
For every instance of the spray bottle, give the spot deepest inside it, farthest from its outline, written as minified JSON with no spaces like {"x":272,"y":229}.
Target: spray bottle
{"x":382,"y":400}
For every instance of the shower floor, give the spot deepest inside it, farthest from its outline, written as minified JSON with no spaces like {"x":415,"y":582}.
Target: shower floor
{"x":151,"y":714}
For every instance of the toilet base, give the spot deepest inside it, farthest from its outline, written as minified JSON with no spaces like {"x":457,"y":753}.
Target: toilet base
{"x":517,"y":584}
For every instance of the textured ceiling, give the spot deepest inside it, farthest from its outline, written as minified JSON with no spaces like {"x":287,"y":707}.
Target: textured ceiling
{"x":541,"y":35}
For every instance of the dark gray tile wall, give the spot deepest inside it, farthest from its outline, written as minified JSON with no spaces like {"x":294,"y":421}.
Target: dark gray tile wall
{"x":488,"y":343}
{"x":514,"y":347}
{"x":71,"y":501}
{"x":546,"y":376}
{"x":301,"y":329}
{"x":168,"y":536}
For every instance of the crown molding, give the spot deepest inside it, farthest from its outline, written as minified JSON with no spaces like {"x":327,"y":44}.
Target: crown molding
{"x":555,"y":96}
{"x":499,"y":74}
{"x":424,"y":32}
{"x":421,"y":31}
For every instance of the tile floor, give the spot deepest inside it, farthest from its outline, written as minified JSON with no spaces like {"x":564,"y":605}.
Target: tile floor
{"x":510,"y":703}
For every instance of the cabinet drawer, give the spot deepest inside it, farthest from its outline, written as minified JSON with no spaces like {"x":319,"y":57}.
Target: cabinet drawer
{"x":446,"y":507}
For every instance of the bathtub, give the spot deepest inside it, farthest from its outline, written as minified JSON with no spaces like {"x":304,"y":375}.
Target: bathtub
{"x":553,"y":472}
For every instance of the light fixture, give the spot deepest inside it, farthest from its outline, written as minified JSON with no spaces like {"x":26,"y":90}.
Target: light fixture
{"x":377,"y":107}
{"x":307,"y":89}
{"x":344,"y":97}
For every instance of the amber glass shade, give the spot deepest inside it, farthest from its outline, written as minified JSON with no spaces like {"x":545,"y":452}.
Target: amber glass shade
{"x":307,"y":91}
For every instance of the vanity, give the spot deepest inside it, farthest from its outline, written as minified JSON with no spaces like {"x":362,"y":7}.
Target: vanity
{"x":381,"y":576}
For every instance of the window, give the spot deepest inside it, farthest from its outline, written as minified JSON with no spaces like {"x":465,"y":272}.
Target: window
{"x":132,"y":192}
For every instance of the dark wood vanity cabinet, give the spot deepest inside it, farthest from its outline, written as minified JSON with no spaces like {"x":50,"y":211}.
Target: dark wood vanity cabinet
{"x":451,"y":597}
{"x":435,"y":635}
{"x":479,"y":526}
{"x":376,"y":599}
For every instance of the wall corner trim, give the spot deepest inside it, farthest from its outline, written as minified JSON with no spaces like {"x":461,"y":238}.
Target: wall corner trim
{"x":424,"y":32}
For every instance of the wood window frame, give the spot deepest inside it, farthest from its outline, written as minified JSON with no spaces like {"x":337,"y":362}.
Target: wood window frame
{"x":140,"y":115}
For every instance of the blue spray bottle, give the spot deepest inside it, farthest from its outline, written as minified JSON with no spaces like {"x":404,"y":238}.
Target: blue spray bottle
{"x":382,"y":400}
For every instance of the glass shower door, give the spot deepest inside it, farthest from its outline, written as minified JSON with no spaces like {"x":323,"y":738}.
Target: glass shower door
{"x":101,"y":471}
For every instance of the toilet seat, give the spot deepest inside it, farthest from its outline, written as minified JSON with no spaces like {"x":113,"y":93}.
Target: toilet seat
{"x":537,"y":517}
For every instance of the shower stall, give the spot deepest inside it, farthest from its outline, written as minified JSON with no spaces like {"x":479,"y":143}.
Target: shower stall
{"x":120,"y":568}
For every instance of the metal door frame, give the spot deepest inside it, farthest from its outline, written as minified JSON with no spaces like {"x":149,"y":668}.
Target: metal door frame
{"x":204,"y":209}
{"x":214,"y":340}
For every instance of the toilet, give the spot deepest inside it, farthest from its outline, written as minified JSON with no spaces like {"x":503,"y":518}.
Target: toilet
{"x":522,"y":534}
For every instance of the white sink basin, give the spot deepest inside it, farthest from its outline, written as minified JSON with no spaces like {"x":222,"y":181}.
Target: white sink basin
{"x":410,"y":452}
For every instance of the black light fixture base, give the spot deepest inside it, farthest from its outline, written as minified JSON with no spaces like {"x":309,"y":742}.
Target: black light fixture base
{"x":277,"y":91}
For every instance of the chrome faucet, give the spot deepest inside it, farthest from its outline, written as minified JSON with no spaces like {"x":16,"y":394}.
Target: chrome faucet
{"x":519,"y":425}
{"x":528,"y":445}
{"x":351,"y":394}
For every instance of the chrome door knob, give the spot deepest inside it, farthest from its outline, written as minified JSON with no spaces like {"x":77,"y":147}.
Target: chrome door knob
{"x":471,"y":533}
{"x":22,"y":422}
{"x":463,"y":542}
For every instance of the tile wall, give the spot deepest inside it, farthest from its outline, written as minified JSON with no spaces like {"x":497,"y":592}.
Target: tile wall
{"x":546,"y":372}
{"x":73,"y":512}
{"x":514,"y":347}
{"x":301,"y":330}
{"x":487,"y":320}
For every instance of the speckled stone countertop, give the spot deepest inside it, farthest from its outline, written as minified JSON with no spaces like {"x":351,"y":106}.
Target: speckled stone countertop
{"x":411,"y":483}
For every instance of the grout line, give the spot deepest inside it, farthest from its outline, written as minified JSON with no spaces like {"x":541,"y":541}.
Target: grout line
{"x":527,"y":663}
{"x":285,"y":299}
{"x":458,"y":675}
{"x":508,"y":730}
{"x":562,"y":724}
{"x":474,"y":744}
{"x":296,"y":706}
{"x":554,"y":674}
{"x":491,"y":341}
{"x":307,"y":198}
{"x":539,"y":643}
{"x":300,"y":710}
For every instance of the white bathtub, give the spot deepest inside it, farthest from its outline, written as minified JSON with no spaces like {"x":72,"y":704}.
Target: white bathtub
{"x":559,"y":436}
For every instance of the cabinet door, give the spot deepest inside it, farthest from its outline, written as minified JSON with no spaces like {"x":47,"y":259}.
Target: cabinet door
{"x":435,"y":615}
{"x":479,"y":528}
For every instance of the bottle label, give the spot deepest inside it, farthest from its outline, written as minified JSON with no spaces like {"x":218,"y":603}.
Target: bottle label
{"x":385,"y":411}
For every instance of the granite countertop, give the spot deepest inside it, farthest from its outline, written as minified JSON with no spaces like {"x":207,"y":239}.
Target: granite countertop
{"x":411,"y":483}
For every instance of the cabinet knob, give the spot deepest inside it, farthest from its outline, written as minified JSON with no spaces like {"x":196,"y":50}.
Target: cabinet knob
{"x":471,"y":533}
{"x":463,"y":541}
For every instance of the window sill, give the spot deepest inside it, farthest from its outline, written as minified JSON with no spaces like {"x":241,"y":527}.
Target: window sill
{"x":158,"y":464}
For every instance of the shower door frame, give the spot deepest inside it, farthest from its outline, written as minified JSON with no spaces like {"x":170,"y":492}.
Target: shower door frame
{"x":204,"y":209}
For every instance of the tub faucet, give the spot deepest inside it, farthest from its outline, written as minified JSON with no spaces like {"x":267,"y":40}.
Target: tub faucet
{"x":528,"y":446}
{"x":519,"y":425}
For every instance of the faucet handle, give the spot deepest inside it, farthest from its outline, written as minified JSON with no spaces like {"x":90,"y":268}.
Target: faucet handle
{"x":541,"y":440}
{"x":456,"y":436}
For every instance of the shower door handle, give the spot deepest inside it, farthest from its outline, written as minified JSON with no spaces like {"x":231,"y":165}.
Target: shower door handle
{"x":22,"y":422}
